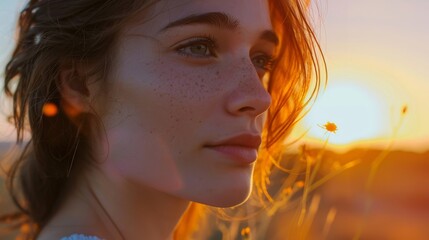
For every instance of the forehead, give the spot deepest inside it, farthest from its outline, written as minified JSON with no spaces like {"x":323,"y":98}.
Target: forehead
{"x":249,"y":14}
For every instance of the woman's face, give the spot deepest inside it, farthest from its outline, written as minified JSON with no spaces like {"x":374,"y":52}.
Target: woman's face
{"x":186,"y":100}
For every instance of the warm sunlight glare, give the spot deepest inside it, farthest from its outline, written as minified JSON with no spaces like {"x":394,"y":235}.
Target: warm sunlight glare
{"x":356,"y":109}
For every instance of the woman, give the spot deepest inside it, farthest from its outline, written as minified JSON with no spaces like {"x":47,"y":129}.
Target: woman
{"x":141,"y":112}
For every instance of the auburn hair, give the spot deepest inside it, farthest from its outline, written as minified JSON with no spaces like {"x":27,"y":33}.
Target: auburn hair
{"x":51,"y":33}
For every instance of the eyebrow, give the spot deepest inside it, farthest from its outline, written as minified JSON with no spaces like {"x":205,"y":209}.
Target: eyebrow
{"x":217,"y":19}
{"x":270,"y":36}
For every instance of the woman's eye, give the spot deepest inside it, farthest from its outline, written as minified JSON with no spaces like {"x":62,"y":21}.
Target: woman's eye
{"x":263,"y":62}
{"x":201,"y":49}
{"x":197,"y":48}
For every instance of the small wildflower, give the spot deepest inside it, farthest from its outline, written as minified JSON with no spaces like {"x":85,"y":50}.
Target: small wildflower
{"x":245,"y":233}
{"x":330,"y":127}
{"x":300,"y":184}
{"x":287,"y":191}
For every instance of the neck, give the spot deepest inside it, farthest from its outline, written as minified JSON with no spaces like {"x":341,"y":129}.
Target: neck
{"x":136,"y":210}
{"x":116,"y":208}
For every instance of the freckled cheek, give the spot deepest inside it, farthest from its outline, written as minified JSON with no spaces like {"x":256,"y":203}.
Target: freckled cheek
{"x":184,"y":96}
{"x":188,"y":86}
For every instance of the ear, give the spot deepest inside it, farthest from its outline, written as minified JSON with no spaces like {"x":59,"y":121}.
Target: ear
{"x":75,"y":95}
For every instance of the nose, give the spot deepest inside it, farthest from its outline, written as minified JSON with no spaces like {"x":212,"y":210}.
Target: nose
{"x":249,"y":96}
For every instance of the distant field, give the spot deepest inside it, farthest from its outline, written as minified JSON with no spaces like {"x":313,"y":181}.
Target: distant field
{"x":393,"y":206}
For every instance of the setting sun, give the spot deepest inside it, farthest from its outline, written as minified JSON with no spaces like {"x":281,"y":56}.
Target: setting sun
{"x":356,"y":109}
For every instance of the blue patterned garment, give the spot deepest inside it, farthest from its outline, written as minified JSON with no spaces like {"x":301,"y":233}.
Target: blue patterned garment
{"x":80,"y":237}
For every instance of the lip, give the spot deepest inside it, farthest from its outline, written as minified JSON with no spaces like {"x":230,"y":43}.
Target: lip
{"x":241,"y":148}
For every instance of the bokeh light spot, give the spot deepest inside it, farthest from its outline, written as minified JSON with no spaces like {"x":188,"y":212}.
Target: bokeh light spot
{"x":50,"y":110}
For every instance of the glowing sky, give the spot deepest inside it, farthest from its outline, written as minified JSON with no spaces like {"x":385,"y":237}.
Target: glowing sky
{"x":377,"y":54}
{"x":378,"y":58}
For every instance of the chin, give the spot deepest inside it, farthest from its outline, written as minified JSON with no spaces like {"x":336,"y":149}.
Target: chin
{"x":228,"y":197}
